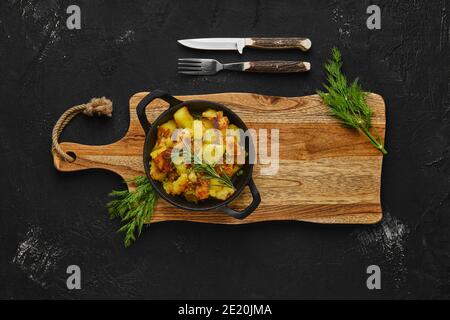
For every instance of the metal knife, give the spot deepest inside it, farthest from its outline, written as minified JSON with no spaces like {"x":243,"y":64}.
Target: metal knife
{"x":238,"y":44}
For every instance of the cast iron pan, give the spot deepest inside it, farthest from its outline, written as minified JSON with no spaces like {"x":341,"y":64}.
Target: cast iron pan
{"x":196,"y":106}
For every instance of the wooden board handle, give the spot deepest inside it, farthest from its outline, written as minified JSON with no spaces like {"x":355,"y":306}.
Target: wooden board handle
{"x":94,"y":157}
{"x":277,"y":66}
{"x":303,"y":44}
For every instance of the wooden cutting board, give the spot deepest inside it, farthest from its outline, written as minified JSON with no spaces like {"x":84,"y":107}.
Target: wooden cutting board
{"x":327,"y":173}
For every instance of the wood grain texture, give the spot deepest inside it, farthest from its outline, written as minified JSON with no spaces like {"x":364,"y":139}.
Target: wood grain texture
{"x":277,"y":66}
{"x":303,"y":44}
{"x":327,"y":173}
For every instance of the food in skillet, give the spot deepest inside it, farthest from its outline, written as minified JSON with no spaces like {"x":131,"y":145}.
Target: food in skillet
{"x":197,"y":156}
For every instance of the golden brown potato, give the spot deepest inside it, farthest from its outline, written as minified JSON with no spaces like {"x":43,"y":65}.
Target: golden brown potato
{"x":183,"y":118}
{"x":155,"y":173}
{"x":209,"y":114}
{"x":157,"y":150}
{"x":207,"y":124}
{"x":180,"y":184}
{"x":202,"y":190}
{"x":169,"y":126}
{"x":219,"y":191}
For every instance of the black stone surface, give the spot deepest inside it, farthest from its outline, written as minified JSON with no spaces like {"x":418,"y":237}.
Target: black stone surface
{"x":50,"y":220}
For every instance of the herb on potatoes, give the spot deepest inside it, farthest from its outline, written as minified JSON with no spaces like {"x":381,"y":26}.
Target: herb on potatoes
{"x":133,"y":207}
{"x":209,"y":172}
{"x":347,"y":101}
{"x":207,"y":169}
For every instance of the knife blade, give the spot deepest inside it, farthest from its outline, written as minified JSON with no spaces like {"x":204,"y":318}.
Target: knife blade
{"x":238,"y":44}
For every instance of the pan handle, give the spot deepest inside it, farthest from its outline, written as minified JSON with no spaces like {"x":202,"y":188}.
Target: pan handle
{"x":155,"y":94}
{"x":246,"y":212}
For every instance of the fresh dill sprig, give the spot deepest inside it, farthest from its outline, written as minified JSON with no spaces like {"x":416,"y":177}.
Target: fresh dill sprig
{"x":347,"y":101}
{"x":133,"y":207}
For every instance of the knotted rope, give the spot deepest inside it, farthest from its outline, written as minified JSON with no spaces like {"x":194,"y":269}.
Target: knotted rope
{"x":97,"y":106}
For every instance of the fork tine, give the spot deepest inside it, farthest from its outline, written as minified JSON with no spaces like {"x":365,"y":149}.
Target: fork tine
{"x":192,"y":73}
{"x":192,"y":66}
{"x":189,"y":64}
{"x":189,"y":68}
{"x":191,"y":60}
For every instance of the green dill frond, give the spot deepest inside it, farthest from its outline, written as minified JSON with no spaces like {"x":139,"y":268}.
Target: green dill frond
{"x":347,"y":102}
{"x":134,"y":207}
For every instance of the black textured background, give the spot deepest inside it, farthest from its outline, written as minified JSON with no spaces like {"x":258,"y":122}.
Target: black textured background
{"x":50,"y":220}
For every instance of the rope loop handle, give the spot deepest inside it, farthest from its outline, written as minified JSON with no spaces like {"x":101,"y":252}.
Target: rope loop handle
{"x":97,"y":106}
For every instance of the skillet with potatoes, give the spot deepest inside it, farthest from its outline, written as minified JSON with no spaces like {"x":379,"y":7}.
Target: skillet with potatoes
{"x":196,"y":155}
{"x":199,"y":155}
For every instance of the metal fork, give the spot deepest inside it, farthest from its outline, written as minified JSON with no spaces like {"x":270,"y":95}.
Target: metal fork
{"x":206,"y":67}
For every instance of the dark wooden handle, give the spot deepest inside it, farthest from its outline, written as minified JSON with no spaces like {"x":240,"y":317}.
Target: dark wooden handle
{"x":303,"y":44}
{"x":277,"y":66}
